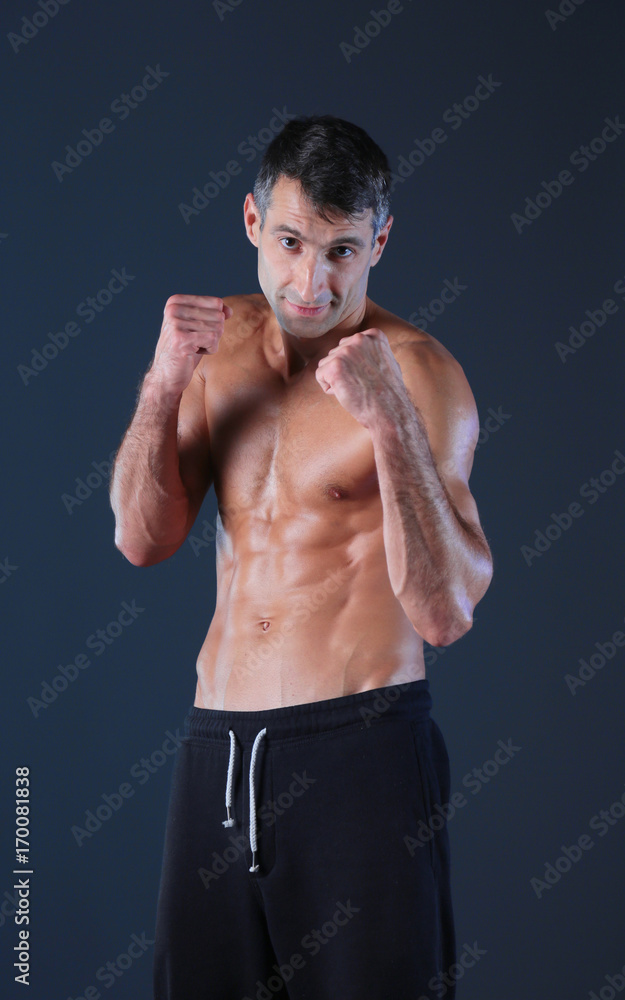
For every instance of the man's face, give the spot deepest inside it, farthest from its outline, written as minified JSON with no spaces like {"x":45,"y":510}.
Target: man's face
{"x":313,"y":273}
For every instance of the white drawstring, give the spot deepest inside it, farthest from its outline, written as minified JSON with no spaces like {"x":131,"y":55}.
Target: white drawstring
{"x":259,"y":737}
{"x":230,"y":820}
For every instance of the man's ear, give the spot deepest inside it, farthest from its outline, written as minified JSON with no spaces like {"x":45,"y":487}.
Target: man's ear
{"x":381,"y":240}
{"x":251,"y":219}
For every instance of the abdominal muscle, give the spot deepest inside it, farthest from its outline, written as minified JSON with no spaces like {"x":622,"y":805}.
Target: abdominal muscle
{"x":304,"y":613}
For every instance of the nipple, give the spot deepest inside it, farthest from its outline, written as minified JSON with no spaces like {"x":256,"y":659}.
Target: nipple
{"x":336,"y":492}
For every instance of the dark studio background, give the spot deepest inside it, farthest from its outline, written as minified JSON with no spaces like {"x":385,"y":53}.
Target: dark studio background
{"x":560,"y":425}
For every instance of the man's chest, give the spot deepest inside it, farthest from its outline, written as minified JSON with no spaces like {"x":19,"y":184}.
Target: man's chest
{"x":291,"y":445}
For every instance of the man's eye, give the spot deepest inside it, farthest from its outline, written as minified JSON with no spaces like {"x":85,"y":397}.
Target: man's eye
{"x":283,"y":238}
{"x":348,"y":254}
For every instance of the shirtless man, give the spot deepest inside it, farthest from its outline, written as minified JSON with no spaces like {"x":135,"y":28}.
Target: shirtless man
{"x":339,"y":440}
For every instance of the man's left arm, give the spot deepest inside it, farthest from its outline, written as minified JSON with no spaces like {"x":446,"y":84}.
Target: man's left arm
{"x":421,"y":414}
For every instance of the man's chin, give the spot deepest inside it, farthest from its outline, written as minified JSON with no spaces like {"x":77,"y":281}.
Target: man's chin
{"x":302,"y":325}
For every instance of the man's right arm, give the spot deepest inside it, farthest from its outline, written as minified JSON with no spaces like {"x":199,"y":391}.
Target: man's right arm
{"x":162,"y":469}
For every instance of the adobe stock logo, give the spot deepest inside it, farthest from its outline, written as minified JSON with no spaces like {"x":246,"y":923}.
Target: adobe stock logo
{"x":6,"y":569}
{"x":113,"y":801}
{"x":362,"y":38}
{"x":475,"y":780}
{"x":223,"y":7}
{"x":602,"y":822}
{"x":588,"y":668}
{"x":581,"y":158}
{"x":33,"y":25}
{"x":111,"y":971}
{"x":87,"y":310}
{"x":455,"y":115}
{"x":436,"y":307}
{"x":249,"y":148}
{"x":595,"y":320}
{"x":121,"y":107}
{"x":591,"y":490}
{"x":564,"y":11}
{"x":98,"y":641}
{"x":312,"y":942}
{"x":616,"y":983}
{"x":92,"y":481}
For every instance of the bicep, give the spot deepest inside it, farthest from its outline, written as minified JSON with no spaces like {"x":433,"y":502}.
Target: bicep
{"x":194,"y":443}
{"x":441,"y":392}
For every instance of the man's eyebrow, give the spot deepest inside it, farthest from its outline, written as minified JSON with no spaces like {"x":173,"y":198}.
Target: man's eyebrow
{"x":339,"y":241}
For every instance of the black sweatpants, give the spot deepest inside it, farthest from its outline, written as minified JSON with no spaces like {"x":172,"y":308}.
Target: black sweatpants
{"x":304,"y":857}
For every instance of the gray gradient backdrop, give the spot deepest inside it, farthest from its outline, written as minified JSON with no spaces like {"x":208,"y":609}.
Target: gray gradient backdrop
{"x":541,"y":348}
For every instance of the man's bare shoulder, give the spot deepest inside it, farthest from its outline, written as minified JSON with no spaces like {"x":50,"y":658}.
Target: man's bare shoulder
{"x":408,"y":341}
{"x":432,"y":374}
{"x":242,"y":336}
{"x":247,"y":304}
{"x":249,"y":317}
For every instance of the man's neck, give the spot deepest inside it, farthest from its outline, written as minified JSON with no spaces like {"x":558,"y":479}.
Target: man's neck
{"x":302,"y":352}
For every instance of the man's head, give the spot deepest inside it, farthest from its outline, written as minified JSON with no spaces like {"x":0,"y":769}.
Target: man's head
{"x":320,"y":218}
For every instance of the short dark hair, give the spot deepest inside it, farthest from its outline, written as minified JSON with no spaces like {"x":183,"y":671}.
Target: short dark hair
{"x":341,"y":169}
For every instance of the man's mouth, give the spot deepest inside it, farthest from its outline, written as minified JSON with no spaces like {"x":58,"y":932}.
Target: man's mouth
{"x":303,"y":311}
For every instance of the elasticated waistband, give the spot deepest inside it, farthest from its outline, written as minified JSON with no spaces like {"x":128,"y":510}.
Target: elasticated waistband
{"x":411,"y":700}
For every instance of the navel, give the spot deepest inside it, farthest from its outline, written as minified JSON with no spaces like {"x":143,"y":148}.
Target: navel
{"x":265,"y":625}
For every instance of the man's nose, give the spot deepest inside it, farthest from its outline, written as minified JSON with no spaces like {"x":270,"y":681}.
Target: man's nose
{"x":310,"y":281}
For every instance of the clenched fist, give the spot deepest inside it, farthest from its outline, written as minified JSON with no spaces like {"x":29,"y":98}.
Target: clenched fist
{"x":192,"y":326}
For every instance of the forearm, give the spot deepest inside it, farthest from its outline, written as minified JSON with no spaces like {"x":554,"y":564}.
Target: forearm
{"x":149,"y":500}
{"x":439,"y":566}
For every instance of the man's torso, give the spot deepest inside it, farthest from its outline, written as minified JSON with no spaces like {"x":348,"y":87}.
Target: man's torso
{"x":305,"y":610}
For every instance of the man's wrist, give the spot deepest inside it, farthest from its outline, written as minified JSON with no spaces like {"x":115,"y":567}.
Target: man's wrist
{"x":157,"y":394}
{"x":392,"y":412}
